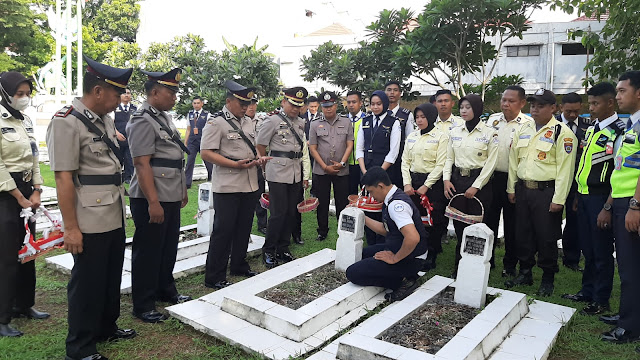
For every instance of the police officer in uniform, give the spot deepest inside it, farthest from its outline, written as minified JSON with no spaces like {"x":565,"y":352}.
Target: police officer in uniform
{"x":506,"y":123}
{"x":541,"y":163}
{"x":354,"y":106}
{"x":20,"y":182}
{"x":158,"y":191}
{"x":83,"y":151}
{"x":229,"y":143}
{"x":283,"y":133}
{"x":423,"y":159}
{"x":391,"y":264}
{"x":625,"y":195}
{"x":261,"y":213}
{"x":330,"y":144}
{"x":406,"y":119}
{"x":471,"y":158}
{"x":380,"y":135}
{"x":594,"y":186}
{"x":444,"y":102}
{"x":197,"y":120}
{"x":121,"y":116}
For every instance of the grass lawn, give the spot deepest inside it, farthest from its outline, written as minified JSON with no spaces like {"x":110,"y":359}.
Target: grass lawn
{"x":174,"y":340}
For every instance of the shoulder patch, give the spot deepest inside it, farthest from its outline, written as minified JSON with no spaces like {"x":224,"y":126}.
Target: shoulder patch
{"x":64,"y":112}
{"x":217,"y":113}
{"x":139,"y":112}
{"x":398,"y":207}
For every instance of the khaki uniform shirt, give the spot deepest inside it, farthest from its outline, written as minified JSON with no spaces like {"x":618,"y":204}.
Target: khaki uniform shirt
{"x":72,"y":147}
{"x":331,"y":139}
{"x":446,"y":125}
{"x":425,"y":154}
{"x":275,"y":134}
{"x":472,"y":150}
{"x":218,"y":135}
{"x":18,"y":150}
{"x":538,"y":156}
{"x":146,"y":137}
{"x":505,"y":136}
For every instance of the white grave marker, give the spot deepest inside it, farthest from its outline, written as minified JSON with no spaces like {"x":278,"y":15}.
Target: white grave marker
{"x":473,"y":270}
{"x":205,"y":209}
{"x":350,"y":234}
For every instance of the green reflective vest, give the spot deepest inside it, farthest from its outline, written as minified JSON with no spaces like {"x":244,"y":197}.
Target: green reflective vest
{"x":596,"y":163}
{"x":356,"y":127}
{"x":627,"y":164}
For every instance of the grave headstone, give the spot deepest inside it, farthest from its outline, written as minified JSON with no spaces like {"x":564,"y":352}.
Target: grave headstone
{"x":350,"y":234}
{"x":473,"y":270}
{"x":205,"y":209}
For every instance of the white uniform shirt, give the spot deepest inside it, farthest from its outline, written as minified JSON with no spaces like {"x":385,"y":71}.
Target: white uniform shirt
{"x":394,"y":147}
{"x":399,"y":211}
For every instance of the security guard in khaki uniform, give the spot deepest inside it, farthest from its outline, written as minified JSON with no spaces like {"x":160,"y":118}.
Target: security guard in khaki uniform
{"x":541,"y":165}
{"x":20,"y":182}
{"x":471,"y":158}
{"x":330,"y":144}
{"x":158,"y":191}
{"x":444,"y":102}
{"x":423,"y":159}
{"x":228,"y":141}
{"x":83,"y":152}
{"x":283,"y":133}
{"x":506,"y":123}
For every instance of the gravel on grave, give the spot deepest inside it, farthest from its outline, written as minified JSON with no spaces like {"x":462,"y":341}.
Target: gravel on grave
{"x":432,"y":326}
{"x":188,"y":235}
{"x":301,"y":290}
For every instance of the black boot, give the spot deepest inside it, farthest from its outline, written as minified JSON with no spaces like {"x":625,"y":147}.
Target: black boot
{"x":524,"y":278}
{"x":9,"y":331}
{"x":546,"y":286}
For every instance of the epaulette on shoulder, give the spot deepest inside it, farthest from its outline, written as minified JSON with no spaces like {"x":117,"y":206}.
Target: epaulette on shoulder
{"x":217,"y":113}
{"x":64,"y":112}
{"x":406,"y":111}
{"x":274,"y":112}
{"x":138,"y":112}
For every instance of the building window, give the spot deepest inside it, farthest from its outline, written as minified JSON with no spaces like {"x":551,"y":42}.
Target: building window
{"x":575,"y":49}
{"x":523,"y":50}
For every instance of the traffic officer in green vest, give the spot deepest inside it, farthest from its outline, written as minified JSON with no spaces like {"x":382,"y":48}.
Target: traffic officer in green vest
{"x":158,"y":191}
{"x":354,"y":106}
{"x":593,"y":179}
{"x":625,"y":200}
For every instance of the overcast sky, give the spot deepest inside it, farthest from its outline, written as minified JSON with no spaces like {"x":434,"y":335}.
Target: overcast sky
{"x":274,"y":22}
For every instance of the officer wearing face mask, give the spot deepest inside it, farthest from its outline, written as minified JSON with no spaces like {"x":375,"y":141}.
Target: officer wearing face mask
{"x":20,"y":183}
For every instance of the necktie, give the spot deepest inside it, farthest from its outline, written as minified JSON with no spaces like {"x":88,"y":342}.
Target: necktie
{"x":126,"y":108}
{"x":195,"y":116}
{"x":629,"y":123}
{"x":375,"y":123}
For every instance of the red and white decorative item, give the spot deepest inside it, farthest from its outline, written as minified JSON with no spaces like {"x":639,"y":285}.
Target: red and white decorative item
{"x":453,"y":213}
{"x":308,"y":204}
{"x":52,"y":238}
{"x":366,"y":203}
{"x":264,"y":200}
{"x":424,"y":201}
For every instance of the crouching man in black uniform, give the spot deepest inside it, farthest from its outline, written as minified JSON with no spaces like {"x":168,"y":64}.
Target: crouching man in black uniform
{"x":392,"y":264}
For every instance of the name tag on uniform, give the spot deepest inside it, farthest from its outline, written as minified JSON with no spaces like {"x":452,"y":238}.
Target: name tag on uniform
{"x":523,"y":137}
{"x":545,"y":139}
{"x":29,"y":130}
{"x":456,"y":138}
{"x":96,"y":139}
{"x":365,"y":126}
{"x":195,"y":131}
{"x":411,"y":140}
{"x":6,"y":130}
{"x":432,"y":141}
{"x":482,"y":140}
{"x":233,"y":131}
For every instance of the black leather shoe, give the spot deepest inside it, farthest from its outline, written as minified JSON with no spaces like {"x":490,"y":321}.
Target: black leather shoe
{"x":269,"y":260}
{"x":30,"y":313}
{"x":545,"y":289}
{"x":284,"y":257}
{"x":9,"y":331}
{"x":298,"y":240}
{"x":219,"y":285}
{"x":120,"y":334}
{"x":406,"y":289}
{"x":151,"y":316}
{"x":321,"y":237}
{"x":508,"y":273}
{"x":95,"y":356}
{"x":595,"y":309}
{"x":580,"y":297}
{"x":524,"y":278}
{"x":179,"y":299}
{"x":611,"y":319}
{"x":248,"y":273}
{"x":619,"y":335}
{"x":574,"y":267}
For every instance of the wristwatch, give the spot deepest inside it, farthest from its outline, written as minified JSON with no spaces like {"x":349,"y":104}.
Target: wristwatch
{"x":344,"y":164}
{"x":40,"y":190}
{"x":634,"y":204}
{"x":606,"y":206}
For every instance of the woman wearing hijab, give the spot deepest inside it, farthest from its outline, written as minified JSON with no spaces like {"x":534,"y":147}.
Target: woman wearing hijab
{"x":471,"y":158}
{"x":423,"y":159}
{"x":20,"y":182}
{"x":378,"y":145}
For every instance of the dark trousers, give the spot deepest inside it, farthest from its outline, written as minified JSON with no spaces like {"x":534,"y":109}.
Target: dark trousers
{"x":537,"y":229}
{"x":232,"y":223}
{"x":628,"y":253}
{"x":153,"y":255}
{"x":468,"y":206}
{"x":323,"y":192}
{"x":17,"y":281}
{"x":354,"y":179}
{"x":372,"y":237}
{"x":283,"y":199}
{"x":570,"y":240}
{"x":500,"y":203}
{"x":597,"y":247}
{"x":372,"y":272}
{"x":128,"y":161}
{"x":296,"y":227}
{"x":194,"y":148}
{"x":438,"y":202}
{"x":93,"y":292}
{"x":261,"y":213}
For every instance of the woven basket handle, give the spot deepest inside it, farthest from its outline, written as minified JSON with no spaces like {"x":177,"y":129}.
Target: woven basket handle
{"x":478,"y":200}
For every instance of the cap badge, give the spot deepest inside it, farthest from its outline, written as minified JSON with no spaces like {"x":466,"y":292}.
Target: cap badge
{"x":300,"y":94}
{"x":327,"y":97}
{"x":178,"y":76}
{"x":250,"y":94}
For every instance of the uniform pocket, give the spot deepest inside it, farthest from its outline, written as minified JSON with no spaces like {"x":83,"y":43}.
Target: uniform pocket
{"x":161,"y":172}
{"x":10,"y":135}
{"x":322,"y":132}
{"x":99,"y":198}
{"x":97,"y":148}
{"x":342,"y":131}
{"x":279,"y":161}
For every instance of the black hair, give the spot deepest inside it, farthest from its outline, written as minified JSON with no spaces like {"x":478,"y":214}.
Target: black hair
{"x":197,"y":98}
{"x":355,"y":92}
{"x":443,"y":92}
{"x":519,"y":89}
{"x":432,"y":99}
{"x":311,"y":99}
{"x":150,"y":85}
{"x":571,"y":98}
{"x":393,"y":82}
{"x":89,"y":81}
{"x":603,"y":88}
{"x":374,"y":176}
{"x":633,"y":77}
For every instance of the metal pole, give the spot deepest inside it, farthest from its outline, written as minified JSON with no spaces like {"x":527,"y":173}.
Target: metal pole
{"x":58,"y":67}
{"x":79,"y":45}
{"x":69,"y":36}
